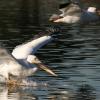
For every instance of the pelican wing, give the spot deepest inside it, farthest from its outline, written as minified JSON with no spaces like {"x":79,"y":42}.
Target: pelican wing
{"x":8,"y":64}
{"x":5,"y":56}
{"x":70,"y":8}
{"x":22,"y":51}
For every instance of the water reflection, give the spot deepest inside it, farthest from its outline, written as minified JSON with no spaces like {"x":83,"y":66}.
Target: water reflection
{"x":15,"y":93}
{"x":84,"y":92}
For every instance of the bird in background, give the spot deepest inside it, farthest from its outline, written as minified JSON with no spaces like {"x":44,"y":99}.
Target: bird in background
{"x":73,"y":12}
{"x":22,"y":62}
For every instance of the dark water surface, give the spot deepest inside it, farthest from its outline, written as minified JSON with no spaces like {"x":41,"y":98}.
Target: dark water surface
{"x":74,"y":56}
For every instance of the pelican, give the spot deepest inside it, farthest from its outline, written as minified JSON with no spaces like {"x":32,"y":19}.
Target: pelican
{"x":22,"y":62}
{"x":73,"y":13}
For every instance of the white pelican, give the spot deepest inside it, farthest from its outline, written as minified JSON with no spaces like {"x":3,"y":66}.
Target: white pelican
{"x":22,"y":62}
{"x":73,"y":13}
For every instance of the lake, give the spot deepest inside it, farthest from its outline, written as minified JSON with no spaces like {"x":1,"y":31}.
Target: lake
{"x":74,"y":55}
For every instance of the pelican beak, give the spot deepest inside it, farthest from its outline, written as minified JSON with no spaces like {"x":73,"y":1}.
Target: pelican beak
{"x":38,"y":63}
{"x":46,"y":69}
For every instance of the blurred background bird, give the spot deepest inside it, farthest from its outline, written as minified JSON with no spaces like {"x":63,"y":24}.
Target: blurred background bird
{"x":73,"y":12}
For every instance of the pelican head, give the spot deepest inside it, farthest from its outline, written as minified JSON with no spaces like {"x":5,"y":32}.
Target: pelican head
{"x":92,"y":9}
{"x":34,"y":60}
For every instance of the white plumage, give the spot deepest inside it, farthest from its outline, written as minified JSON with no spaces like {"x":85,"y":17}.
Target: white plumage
{"x":22,"y":62}
{"x":22,"y":51}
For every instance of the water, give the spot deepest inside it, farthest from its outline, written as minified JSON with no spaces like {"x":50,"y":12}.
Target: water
{"x":74,"y":56}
